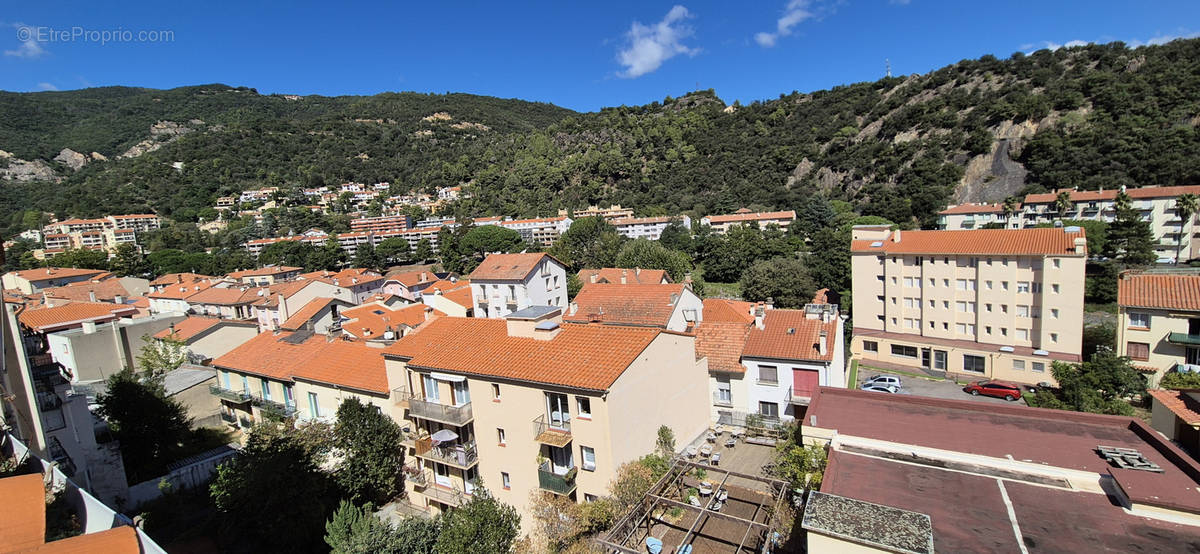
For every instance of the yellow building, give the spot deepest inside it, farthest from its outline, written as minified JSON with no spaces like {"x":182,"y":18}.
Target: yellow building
{"x":526,"y":405}
{"x":1158,"y":321}
{"x":995,"y":303}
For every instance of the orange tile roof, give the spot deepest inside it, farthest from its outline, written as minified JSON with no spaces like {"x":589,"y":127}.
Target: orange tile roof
{"x":413,"y":278}
{"x":306,"y":313}
{"x":722,"y":343}
{"x":461,"y":296}
{"x":263,"y":271}
{"x":181,"y":291}
{"x":790,"y":335}
{"x":580,"y":356}
{"x":104,"y":289}
{"x":1174,"y":291}
{"x":23,"y":512}
{"x":632,"y":276}
{"x":45,"y":273}
{"x":222,"y":296}
{"x":190,"y":327}
{"x":345,"y":277}
{"x":976,"y":209}
{"x":626,"y":304}
{"x":372,"y":320}
{"x":642,"y":220}
{"x":173,"y":278}
{"x":72,"y":314}
{"x":751,"y":216}
{"x":509,"y":267}
{"x":1180,"y":403}
{"x":118,"y":540}
{"x":270,"y":296}
{"x":734,"y":311}
{"x":1049,"y":241}
{"x":339,"y":363}
{"x":1111,"y":194}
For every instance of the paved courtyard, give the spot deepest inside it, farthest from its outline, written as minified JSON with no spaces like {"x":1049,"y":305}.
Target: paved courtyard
{"x":918,"y":386}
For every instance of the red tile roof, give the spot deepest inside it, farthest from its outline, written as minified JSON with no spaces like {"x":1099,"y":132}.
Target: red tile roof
{"x":580,"y":356}
{"x":751,"y":216}
{"x":509,"y":267}
{"x":1175,"y":291}
{"x":720,"y":309}
{"x":264,"y":271}
{"x":23,"y":512}
{"x":626,"y":304}
{"x":73,"y":314}
{"x":411,"y":279}
{"x":461,"y":296}
{"x":345,"y":277}
{"x":1186,"y":408}
{"x":1111,"y":194}
{"x":340,"y":363}
{"x":118,"y":540}
{"x":372,"y":320}
{"x":1049,"y":241}
{"x":722,"y":343}
{"x":181,"y":291}
{"x":104,"y":289}
{"x":46,"y":273}
{"x":791,"y":335}
{"x":190,"y":327}
{"x":173,"y":278}
{"x":632,"y":276}
{"x":976,"y":209}
{"x":220,"y":296}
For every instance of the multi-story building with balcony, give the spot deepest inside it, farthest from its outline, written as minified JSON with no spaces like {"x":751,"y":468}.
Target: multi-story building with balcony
{"x":648,"y":227}
{"x":614,"y":211}
{"x":1158,"y":321}
{"x":998,"y":303}
{"x":381,"y":223}
{"x":721,"y":223}
{"x":529,"y":404}
{"x":505,"y":283}
{"x":543,"y":231}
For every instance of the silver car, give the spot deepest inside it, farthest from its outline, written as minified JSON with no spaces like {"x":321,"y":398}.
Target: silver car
{"x":886,"y":381}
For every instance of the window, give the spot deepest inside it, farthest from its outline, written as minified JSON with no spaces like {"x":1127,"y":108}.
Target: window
{"x":1138,"y":350}
{"x":974,"y":364}
{"x":589,"y":458}
{"x":590,"y":497}
{"x":1022,"y":334}
{"x":1053,"y":337}
{"x":1018,"y":365}
{"x":880,"y":318}
{"x":1004,"y":331}
{"x":946,"y":304}
{"x":910,"y":303}
{"x":266,"y":390}
{"x":1004,"y":308}
{"x":1039,"y":367}
{"x":1054,"y":313}
{"x":870,"y":346}
{"x":245,"y":385}
{"x":968,"y":307}
{"x":987,"y":329}
{"x":1022,"y":286}
{"x":893,"y":300}
{"x":496,"y":392}
{"x":1003,"y":285}
{"x":1057,"y":263}
{"x":1054,"y":288}
{"x":987,"y":307}
{"x":314,"y":409}
{"x":880,"y":298}
{"x":768,"y":375}
{"x":768,"y":409}
{"x":945,"y":282}
{"x":932,"y":303}
{"x":880,"y":278}
{"x":987,"y":285}
{"x":584,"y":406}
{"x":910,"y":323}
{"x":904,"y":351}
{"x":1022,"y":311}
{"x":932,"y":326}
{"x":932,"y":282}
{"x":500,"y":438}
{"x":1139,"y":320}
{"x":505,"y":481}
{"x":966,"y":284}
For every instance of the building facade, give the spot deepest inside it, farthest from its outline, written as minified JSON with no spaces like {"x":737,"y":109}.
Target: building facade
{"x":505,"y":283}
{"x":1158,"y":321}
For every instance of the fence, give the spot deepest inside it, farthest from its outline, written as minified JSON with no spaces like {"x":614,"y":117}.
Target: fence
{"x":185,"y":474}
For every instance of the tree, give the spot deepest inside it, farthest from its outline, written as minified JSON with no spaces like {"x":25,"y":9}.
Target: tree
{"x":480,"y":241}
{"x":648,"y":254}
{"x":273,"y":496}
{"x":801,"y":465}
{"x":786,"y":280}
{"x":730,"y":254}
{"x":82,"y":258}
{"x":1130,"y":239}
{"x":285,"y":252}
{"x":367,"y":258}
{"x":483,"y":524}
{"x":817,"y":214}
{"x":393,"y":250}
{"x":634,"y":478}
{"x":1100,"y":385}
{"x":666,"y":441}
{"x":18,"y":255}
{"x":127,"y":260}
{"x":424,"y":251}
{"x":1185,"y":207}
{"x":589,"y":242}
{"x":1010,"y":205}
{"x":329,"y":256}
{"x":161,"y":356}
{"x":355,"y":530}
{"x":1062,"y":204}
{"x":151,"y":427}
{"x":676,"y":237}
{"x":373,"y":461}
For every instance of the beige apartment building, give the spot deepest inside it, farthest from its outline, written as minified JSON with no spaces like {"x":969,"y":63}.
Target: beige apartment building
{"x":1158,"y":321}
{"x":721,"y":223}
{"x":996,"y":303}
{"x":527,"y":405}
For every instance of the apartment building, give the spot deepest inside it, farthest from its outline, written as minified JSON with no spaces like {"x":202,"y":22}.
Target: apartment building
{"x":560,"y":407}
{"x":670,"y":306}
{"x":505,"y":283}
{"x":409,"y":284}
{"x":721,"y":223}
{"x":105,"y":233}
{"x":997,"y":303}
{"x":1158,"y":321}
{"x":381,"y":223}
{"x":614,"y":211}
{"x":360,"y":283}
{"x":623,"y":276}
{"x":91,"y":352}
{"x":29,"y":281}
{"x":135,"y":222}
{"x":268,"y":275}
{"x":206,"y":338}
{"x":544,"y":231}
{"x":1156,"y":204}
{"x":648,"y":227}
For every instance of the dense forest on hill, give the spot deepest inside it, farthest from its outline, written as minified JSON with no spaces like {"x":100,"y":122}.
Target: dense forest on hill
{"x":900,"y":148}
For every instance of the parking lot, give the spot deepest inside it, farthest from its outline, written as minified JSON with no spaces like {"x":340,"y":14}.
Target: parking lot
{"x":928,"y":387}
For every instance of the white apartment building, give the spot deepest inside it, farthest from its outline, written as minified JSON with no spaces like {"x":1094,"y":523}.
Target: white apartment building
{"x":614,"y":211}
{"x":544,"y":231}
{"x":505,"y":283}
{"x":648,"y":227}
{"x":997,"y":303}
{"x":721,"y":223}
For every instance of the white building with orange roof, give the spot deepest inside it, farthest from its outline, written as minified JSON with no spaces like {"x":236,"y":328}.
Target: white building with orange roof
{"x":451,"y":297}
{"x":621,"y":275}
{"x":670,"y":306}
{"x":721,"y":223}
{"x":990,"y":303}
{"x":544,"y":231}
{"x":1158,"y":321}
{"x":360,"y":283}
{"x":409,"y":284}
{"x":266,"y":275}
{"x":650,"y":228}
{"x":29,"y":281}
{"x":378,"y":322}
{"x":505,"y":283}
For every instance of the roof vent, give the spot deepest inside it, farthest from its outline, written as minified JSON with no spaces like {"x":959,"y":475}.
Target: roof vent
{"x":876,"y":244}
{"x":791,"y":330}
{"x":1007,"y":349}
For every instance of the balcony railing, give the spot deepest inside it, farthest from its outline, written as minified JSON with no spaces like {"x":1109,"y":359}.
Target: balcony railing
{"x":555,"y":432}
{"x":548,"y":480}
{"x":450,"y":497}
{"x":722,"y":400}
{"x":229,"y":418}
{"x":461,"y":455}
{"x":419,"y":406}
{"x":227,"y":394}
{"x":401,"y":396}
{"x":274,"y":409}
{"x":1184,"y":339}
{"x":418,"y":476}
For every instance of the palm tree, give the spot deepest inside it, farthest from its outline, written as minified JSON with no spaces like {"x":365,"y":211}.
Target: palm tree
{"x":1185,"y":208}
{"x":1010,"y":208}
{"x":1062,"y":203}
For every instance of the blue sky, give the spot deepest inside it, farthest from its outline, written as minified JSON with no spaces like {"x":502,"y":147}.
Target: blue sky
{"x":581,"y":55}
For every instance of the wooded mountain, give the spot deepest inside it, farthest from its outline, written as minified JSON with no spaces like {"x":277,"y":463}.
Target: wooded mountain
{"x":901,"y":147}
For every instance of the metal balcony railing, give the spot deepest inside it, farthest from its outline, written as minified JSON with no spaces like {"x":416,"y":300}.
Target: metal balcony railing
{"x":548,"y":480}
{"x":419,"y":406}
{"x":401,"y":396}
{"x":229,"y":418}
{"x":416,"y":475}
{"x":553,"y":431}
{"x":271,"y":408}
{"x":228,"y":394}
{"x":462,"y":455}
{"x":450,"y":497}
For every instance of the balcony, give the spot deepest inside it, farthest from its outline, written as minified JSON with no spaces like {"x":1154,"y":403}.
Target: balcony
{"x":229,"y":418}
{"x":553,"y":482}
{"x":432,"y":410}
{"x":1184,"y":339}
{"x":227,"y":394}
{"x":801,"y":397}
{"x":460,"y":455}
{"x":722,"y":400}
{"x":555,"y":433}
{"x":401,"y":396}
{"x":274,"y":410}
{"x":418,"y":476}
{"x":449,"y":497}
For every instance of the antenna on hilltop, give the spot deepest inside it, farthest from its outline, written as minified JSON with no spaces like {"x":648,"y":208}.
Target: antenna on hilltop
{"x":887,"y":62}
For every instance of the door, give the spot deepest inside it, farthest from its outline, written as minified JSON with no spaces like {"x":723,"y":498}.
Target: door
{"x":287,"y":396}
{"x":939,"y":360}
{"x":462,"y":395}
{"x":442,"y":475}
{"x":472,"y":478}
{"x":431,"y":389}
{"x":558,"y":410}
{"x":925,"y":358}
{"x":560,"y":459}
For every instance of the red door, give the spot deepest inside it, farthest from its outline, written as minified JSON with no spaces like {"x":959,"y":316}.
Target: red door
{"x":805,"y":382}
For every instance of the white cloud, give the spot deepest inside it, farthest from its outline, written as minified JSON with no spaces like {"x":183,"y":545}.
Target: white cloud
{"x":46,"y":86}
{"x":30,"y":48}
{"x":899,"y":2}
{"x":796,"y":12}
{"x":1134,"y":43}
{"x":650,"y":45}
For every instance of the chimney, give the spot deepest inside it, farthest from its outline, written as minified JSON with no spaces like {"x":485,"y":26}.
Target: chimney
{"x":770,"y":304}
{"x":1080,"y":245}
{"x":593,"y":278}
{"x":823,"y":342}
{"x":92,"y":295}
{"x":119,"y":299}
{"x":624,"y":276}
{"x":896,"y":235}
{"x":637,"y":272}
{"x":89,"y":327}
{"x":574,"y":308}
{"x":759,"y":312}
{"x":423,"y":278}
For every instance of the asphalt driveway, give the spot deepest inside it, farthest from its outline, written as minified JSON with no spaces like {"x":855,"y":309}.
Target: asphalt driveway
{"x":928,"y":387}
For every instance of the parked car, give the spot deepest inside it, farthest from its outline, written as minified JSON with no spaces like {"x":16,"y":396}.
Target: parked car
{"x":879,"y":388}
{"x":889,"y":381}
{"x":998,"y":389}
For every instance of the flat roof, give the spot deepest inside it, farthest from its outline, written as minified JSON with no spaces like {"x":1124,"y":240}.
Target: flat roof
{"x":533,"y":312}
{"x":186,"y":376}
{"x":884,"y":527}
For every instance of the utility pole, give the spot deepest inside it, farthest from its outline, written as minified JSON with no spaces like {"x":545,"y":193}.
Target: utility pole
{"x":887,"y":62}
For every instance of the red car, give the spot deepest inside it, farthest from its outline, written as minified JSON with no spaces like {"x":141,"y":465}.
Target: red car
{"x":998,"y":389}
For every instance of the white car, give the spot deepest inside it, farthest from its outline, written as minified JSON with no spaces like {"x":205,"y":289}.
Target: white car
{"x":886,"y":381}
{"x":879,"y":388}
